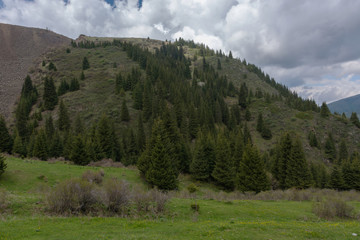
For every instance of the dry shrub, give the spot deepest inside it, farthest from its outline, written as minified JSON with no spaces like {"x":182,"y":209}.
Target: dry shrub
{"x":117,"y":196}
{"x":159,"y":199}
{"x":106,"y":163}
{"x":331,"y":208}
{"x":72,"y":197}
{"x":153,"y":201}
{"x":142,"y":201}
{"x":93,"y":177}
{"x":3,"y":202}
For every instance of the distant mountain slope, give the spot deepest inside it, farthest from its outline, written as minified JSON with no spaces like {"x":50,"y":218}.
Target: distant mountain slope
{"x":19,"y":47}
{"x":346,"y":105}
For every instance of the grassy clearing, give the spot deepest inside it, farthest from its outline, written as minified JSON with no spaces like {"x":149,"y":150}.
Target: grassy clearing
{"x":238,"y":219}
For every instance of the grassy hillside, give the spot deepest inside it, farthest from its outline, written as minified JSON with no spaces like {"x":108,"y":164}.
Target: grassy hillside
{"x":236,"y":219}
{"x":97,"y":95}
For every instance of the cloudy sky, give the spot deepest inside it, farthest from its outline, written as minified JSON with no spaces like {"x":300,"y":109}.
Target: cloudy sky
{"x":311,"y":46}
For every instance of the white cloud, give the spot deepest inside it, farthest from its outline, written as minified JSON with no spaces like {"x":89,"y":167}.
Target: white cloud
{"x":299,"y":43}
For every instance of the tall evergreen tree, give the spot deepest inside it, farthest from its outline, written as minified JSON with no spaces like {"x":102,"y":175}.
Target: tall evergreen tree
{"x":259,"y":123}
{"x":224,"y":170}
{"x":19,"y":147}
{"x":243,"y":96}
{"x":354,"y":119}
{"x":251,"y":175}
{"x":140,"y":136}
{"x":49,"y":128}
{"x":336,"y":178}
{"x":3,"y":164}
{"x":324,"y":111}
{"x":313,"y":140}
{"x":124,"y":112}
{"x":78,"y":125}
{"x":78,"y":153}
{"x":5,"y":138}
{"x":85,"y":64}
{"x":343,"y":151}
{"x":50,"y":96}
{"x":41,"y":146}
{"x":329,"y":148}
{"x":281,"y":158}
{"x":105,"y":137}
{"x":64,"y":120}
{"x":298,"y":174}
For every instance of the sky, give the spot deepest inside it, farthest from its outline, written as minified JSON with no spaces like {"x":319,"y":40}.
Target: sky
{"x":310,"y":46}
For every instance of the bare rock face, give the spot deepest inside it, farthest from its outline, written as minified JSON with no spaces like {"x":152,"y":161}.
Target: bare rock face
{"x":19,"y":48}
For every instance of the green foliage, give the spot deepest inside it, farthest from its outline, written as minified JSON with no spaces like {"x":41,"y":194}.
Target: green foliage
{"x":336,"y":178}
{"x":251,"y":175}
{"x":124,"y":112}
{"x":50,"y":96}
{"x":19,"y":147}
{"x":329,"y":148}
{"x":74,"y":85}
{"x":343,"y":151}
{"x":243,"y":94}
{"x":354,"y":119}
{"x":64,"y":120}
{"x":6,"y":141}
{"x":41,"y":146}
{"x":313,"y":139}
{"x":324,"y":111}
{"x":85,"y":64}
{"x":63,"y":88}
{"x":82,"y":76}
{"x":78,"y":152}
{"x":3,"y":164}
{"x":224,"y":169}
{"x":52,"y":67}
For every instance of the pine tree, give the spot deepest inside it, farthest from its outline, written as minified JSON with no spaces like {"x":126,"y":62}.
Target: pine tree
{"x":251,"y":175}
{"x":50,"y":96}
{"x":329,"y":148}
{"x":6,"y":141}
{"x":105,"y":137}
{"x":343,"y":152}
{"x":140,"y":136}
{"x":82,"y":76}
{"x":78,"y":125}
{"x":64,"y":120}
{"x":336,"y":179}
{"x":3,"y":164}
{"x":74,"y":85}
{"x":78,"y":152}
{"x":259,"y":123}
{"x":297,"y":170}
{"x":41,"y":146}
{"x":49,"y":128}
{"x":138,"y":96}
{"x":160,"y":171}
{"x":224,"y":170}
{"x":19,"y":147}
{"x":313,"y":140}
{"x":204,"y":158}
{"x":85,"y":64}
{"x":247,"y":114}
{"x":63,"y":88}
{"x":124,"y":112}
{"x":56,"y":148}
{"x":324,"y":111}
{"x":281,"y":158}
{"x":243,"y":96}
{"x":354,"y":119}
{"x":218,"y":64}
{"x":247,"y":135}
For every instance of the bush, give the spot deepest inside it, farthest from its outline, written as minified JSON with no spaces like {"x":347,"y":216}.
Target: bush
{"x":117,"y":196}
{"x":2,"y":164}
{"x":72,"y":197}
{"x":195,"y":207}
{"x":3,"y":195}
{"x":93,"y":177}
{"x":153,"y":201}
{"x":331,"y":208}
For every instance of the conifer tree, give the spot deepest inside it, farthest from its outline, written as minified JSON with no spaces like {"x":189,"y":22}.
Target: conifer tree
{"x":281,"y":158}
{"x":64,"y":120}
{"x":204,"y":158}
{"x":105,"y":137}
{"x":50,"y":96}
{"x":247,"y":114}
{"x":247,"y":135}
{"x":329,"y":148}
{"x":82,"y":76}
{"x":41,"y":146}
{"x":297,"y":170}
{"x":324,"y":111}
{"x":78,"y":125}
{"x":243,"y":96}
{"x":56,"y":148}
{"x":354,"y":119}
{"x":313,"y":140}
{"x":19,"y":147}
{"x":85,"y":64}
{"x":5,"y":138}
{"x":138,"y":96}
{"x":156,"y":162}
{"x":224,"y":170}
{"x":74,"y":85}
{"x":343,"y":152}
{"x":63,"y":88}
{"x":49,"y":128}
{"x":140,"y":136}
{"x":259,"y":123}
{"x":147,"y":102}
{"x":251,"y":175}
{"x":218,"y":64}
{"x":3,"y":164}
{"x":124,"y":112}
{"x":336,"y":178}
{"x":78,"y":153}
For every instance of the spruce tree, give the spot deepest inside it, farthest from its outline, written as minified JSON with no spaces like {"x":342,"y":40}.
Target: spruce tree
{"x":218,"y":64}
{"x":64,"y":120}
{"x":336,"y":178}
{"x":74,"y":85}
{"x":160,"y":171}
{"x":3,"y":164}
{"x":281,"y":158}
{"x":259,"y":123}
{"x":82,"y":76}
{"x":204,"y":158}
{"x":247,"y":114}
{"x":19,"y":147}
{"x":85,"y":64}
{"x":49,"y":128}
{"x":329,"y":148}
{"x":78,"y":125}
{"x":224,"y":170}
{"x":50,"y":96}
{"x":251,"y":175}
{"x":41,"y":146}
{"x":63,"y":88}
{"x":124,"y":112}
{"x":354,"y":119}
{"x":140,"y":136}
{"x":5,"y":138}
{"x":56,"y":148}
{"x":297,"y":170}
{"x":343,"y":152}
{"x":78,"y":152}
{"x":105,"y":137}
{"x":324,"y":111}
{"x":313,"y":140}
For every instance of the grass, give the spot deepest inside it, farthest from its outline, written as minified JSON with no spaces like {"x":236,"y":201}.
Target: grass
{"x":239,"y":219}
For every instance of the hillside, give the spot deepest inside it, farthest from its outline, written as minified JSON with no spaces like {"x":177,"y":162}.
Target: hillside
{"x":19,"y":48}
{"x":346,"y":105}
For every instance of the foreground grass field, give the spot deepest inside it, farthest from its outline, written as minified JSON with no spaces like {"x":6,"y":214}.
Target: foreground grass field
{"x":240,"y":219}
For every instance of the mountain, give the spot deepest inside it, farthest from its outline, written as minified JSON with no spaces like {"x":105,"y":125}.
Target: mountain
{"x":19,"y":48}
{"x":134,"y":100}
{"x":346,"y":105}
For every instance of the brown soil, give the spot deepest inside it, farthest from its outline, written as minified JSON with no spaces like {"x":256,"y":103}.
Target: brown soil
{"x":20,"y":47}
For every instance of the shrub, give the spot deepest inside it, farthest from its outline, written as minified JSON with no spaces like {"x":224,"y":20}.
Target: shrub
{"x":195,"y":207}
{"x":153,"y":201}
{"x":331,"y":208}
{"x":159,"y":199}
{"x":93,"y":177}
{"x":72,"y":197}
{"x":3,"y":195}
{"x":117,"y":196}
